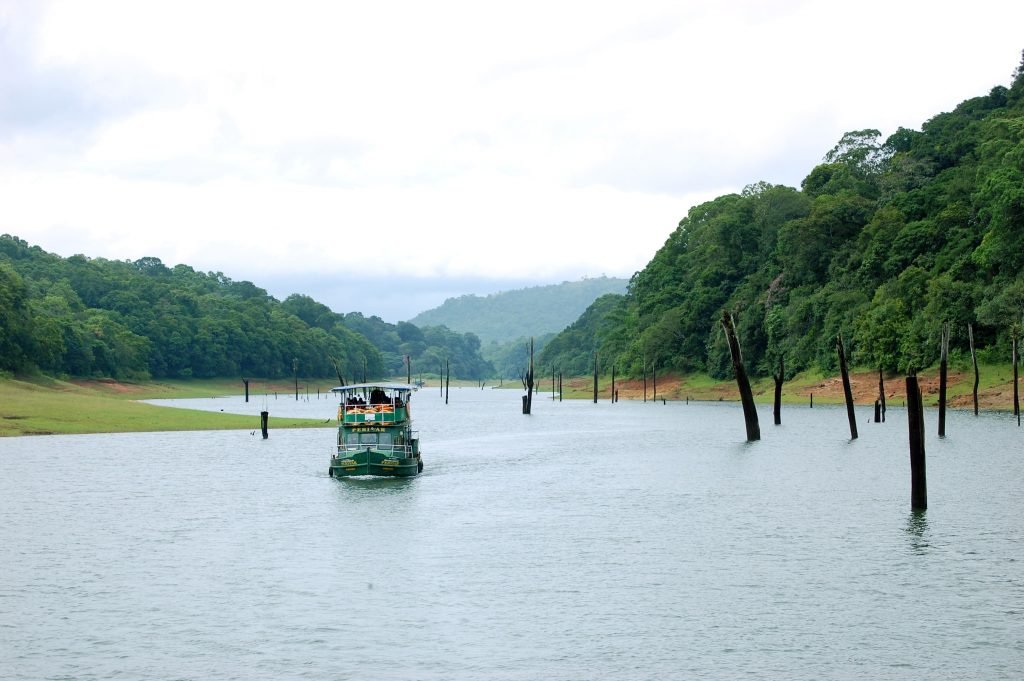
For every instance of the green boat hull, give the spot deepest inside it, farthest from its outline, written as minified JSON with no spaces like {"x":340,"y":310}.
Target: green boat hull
{"x":375,"y":435}
{"x":370,"y":462}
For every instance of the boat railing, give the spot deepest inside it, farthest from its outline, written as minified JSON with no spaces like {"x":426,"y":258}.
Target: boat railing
{"x":364,"y":413}
{"x":402,"y":451}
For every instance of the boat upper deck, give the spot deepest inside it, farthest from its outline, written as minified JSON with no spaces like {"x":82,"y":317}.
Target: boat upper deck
{"x":374,"y":403}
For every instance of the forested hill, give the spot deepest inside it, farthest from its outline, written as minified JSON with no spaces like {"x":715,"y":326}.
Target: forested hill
{"x":81,"y":316}
{"x":882,"y":243}
{"x":509,"y":315}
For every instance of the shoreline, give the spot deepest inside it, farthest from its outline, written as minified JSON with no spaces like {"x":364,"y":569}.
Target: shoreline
{"x":41,"y":405}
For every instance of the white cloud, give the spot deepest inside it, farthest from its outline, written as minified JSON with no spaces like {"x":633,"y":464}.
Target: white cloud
{"x":547,"y":139}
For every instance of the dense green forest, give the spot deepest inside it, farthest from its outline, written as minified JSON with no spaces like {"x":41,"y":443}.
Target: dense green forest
{"x":883,"y":242}
{"x":510,"y":315}
{"x":506,"y":321}
{"x":80,"y":316}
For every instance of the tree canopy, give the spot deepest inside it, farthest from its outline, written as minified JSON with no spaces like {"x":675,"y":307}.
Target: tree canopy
{"x":882,"y":242}
{"x":85,"y":316}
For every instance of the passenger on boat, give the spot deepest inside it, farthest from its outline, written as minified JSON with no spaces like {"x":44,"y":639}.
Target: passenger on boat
{"x":377,"y":396}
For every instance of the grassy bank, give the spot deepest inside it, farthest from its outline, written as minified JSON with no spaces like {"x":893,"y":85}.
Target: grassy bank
{"x":46,"y":406}
{"x":995,"y":389}
{"x":40,"y":405}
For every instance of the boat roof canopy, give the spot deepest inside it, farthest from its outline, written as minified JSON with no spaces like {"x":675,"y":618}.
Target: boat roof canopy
{"x":400,"y":387}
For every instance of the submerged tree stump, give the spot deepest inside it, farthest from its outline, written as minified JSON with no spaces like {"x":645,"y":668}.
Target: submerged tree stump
{"x":264,"y":418}
{"x":1016,"y":393}
{"x":974,"y":359}
{"x":777,"y":411}
{"x":847,"y":392}
{"x":943,"y":375}
{"x":881,"y":392}
{"x":915,"y":426}
{"x":742,"y":381}
{"x":528,"y":384}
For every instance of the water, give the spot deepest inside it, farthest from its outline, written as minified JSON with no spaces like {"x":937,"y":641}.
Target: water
{"x":627,"y":541}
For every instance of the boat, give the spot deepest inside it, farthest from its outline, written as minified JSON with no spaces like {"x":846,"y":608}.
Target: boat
{"x":375,"y":435}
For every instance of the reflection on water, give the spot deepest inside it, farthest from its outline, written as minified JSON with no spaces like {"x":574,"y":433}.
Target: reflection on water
{"x":625,"y":541}
{"x":917,"y":530}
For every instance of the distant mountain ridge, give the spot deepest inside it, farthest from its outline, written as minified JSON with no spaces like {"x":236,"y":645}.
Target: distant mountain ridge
{"x":533,"y":311}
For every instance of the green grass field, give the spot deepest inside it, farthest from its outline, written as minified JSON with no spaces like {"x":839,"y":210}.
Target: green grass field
{"x":44,"y":406}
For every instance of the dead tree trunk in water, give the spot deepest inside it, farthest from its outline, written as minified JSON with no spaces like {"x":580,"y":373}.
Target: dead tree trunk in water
{"x":447,"y":379}
{"x":246,"y":381}
{"x":943,"y":375}
{"x":974,"y":359}
{"x":595,"y":377}
{"x":613,"y":384}
{"x":645,"y":378}
{"x":777,"y":412}
{"x":654,"y":377}
{"x":915,"y":425}
{"x":1016,"y":393}
{"x":881,"y":392}
{"x":528,"y":384}
{"x":847,"y":392}
{"x":746,"y":396}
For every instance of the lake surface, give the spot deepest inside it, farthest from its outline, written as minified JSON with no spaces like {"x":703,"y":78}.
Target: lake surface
{"x":625,"y":541}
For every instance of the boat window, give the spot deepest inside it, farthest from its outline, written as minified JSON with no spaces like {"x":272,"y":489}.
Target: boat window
{"x":382,"y":439}
{"x":360,"y":438}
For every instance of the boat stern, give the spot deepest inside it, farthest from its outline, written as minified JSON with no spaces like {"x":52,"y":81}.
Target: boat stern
{"x":370,"y":462}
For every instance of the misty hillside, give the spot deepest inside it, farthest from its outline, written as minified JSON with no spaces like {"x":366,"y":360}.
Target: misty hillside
{"x":508,"y":315}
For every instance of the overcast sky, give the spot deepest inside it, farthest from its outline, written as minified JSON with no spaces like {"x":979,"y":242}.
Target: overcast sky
{"x":455,"y":147}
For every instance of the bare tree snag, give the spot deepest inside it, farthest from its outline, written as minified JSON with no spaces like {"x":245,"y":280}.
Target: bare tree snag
{"x":528,"y":384}
{"x":654,"y":377}
{"x":337,"y":370}
{"x":645,"y":377}
{"x":943,"y":374}
{"x":881,"y":392}
{"x":746,"y":396}
{"x":613,"y":384}
{"x":779,"y":376}
{"x":1016,"y":360}
{"x":847,"y":392}
{"x":915,"y":425}
{"x":595,"y":377}
{"x":974,"y":359}
{"x":1016,"y":394}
